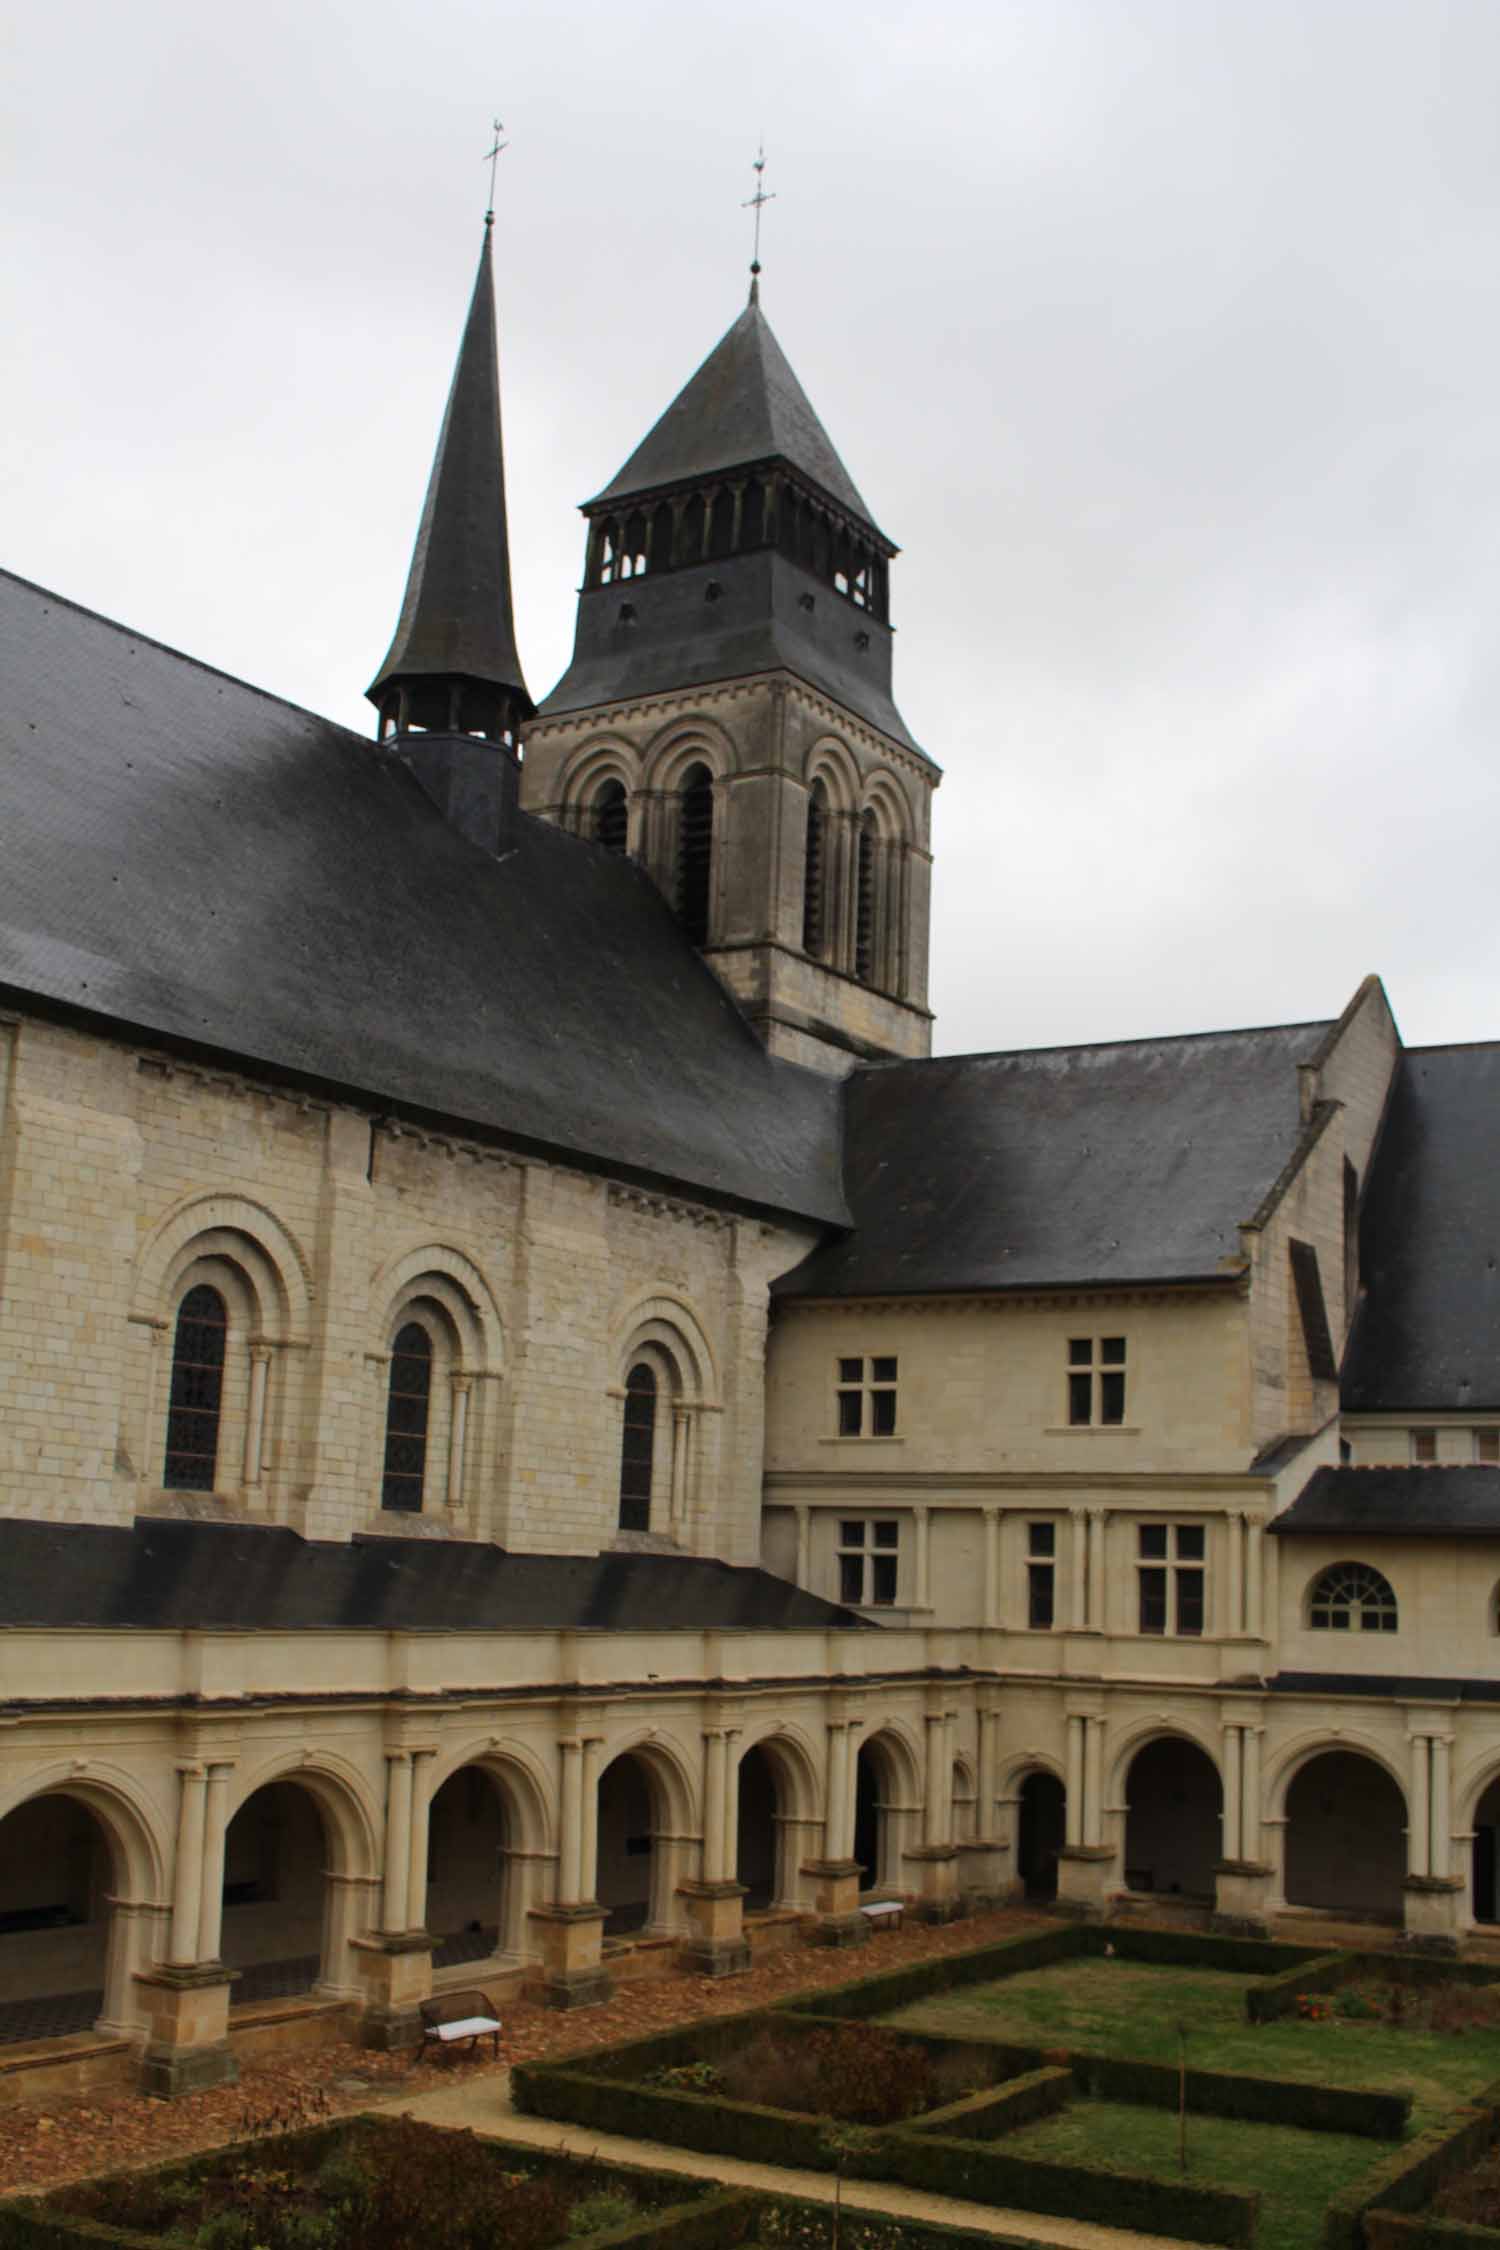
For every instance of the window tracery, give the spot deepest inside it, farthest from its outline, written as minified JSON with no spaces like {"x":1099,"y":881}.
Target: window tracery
{"x":1351,"y":1597}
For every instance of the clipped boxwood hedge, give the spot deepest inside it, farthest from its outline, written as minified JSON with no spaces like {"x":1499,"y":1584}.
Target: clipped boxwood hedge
{"x":897,"y":1988}
{"x":1277,"y":1996}
{"x":1000,"y":2109}
{"x":1408,"y":2180}
{"x":1363,"y":2110}
{"x":1394,"y":2230}
{"x":677,"y":2213}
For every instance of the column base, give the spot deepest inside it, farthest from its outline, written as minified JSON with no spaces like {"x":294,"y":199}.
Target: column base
{"x":1083,"y":1878}
{"x":937,"y":1898}
{"x":983,"y":1880}
{"x":717,"y":1946}
{"x":1431,"y":1918}
{"x":1241,"y":1889}
{"x":396,"y":1974}
{"x":187,"y":2047}
{"x":570,"y":1940}
{"x":838,"y":1920}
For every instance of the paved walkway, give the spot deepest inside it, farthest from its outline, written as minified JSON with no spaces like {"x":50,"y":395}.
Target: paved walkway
{"x":482,"y":2105}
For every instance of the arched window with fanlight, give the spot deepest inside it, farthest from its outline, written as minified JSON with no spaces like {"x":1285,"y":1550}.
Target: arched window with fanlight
{"x":407,"y":1411}
{"x":695,"y":852}
{"x":610,"y":814}
{"x":638,"y":1448}
{"x":197,"y":1395}
{"x":1352,"y":1598}
{"x":815,"y":874}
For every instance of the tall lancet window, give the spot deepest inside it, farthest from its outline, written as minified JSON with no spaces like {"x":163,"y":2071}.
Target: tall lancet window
{"x":695,"y":852}
{"x":197,"y":1391}
{"x":865,"y":918}
{"x":611,"y":816}
{"x":407,"y":1407}
{"x":815,"y":872}
{"x":638,"y":1449}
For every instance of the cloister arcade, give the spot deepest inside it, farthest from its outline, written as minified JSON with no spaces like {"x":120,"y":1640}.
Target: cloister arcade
{"x":359,"y":1874}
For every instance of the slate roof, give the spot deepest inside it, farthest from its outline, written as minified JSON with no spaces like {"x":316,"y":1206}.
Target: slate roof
{"x":1132,"y":1162}
{"x":204,"y":1577}
{"x":1396,"y":1503}
{"x":456,"y":617}
{"x":743,"y":405}
{"x":1395,"y":1687}
{"x":1428,"y":1332}
{"x":203,"y":864}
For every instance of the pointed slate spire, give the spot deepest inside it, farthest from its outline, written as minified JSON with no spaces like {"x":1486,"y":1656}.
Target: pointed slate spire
{"x":453,"y":665}
{"x":744,"y":405}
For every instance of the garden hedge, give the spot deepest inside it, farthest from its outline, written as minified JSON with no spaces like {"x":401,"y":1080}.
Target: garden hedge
{"x":939,"y":2164}
{"x":1407,"y":2181}
{"x":1277,"y":1996}
{"x":1363,"y":2110}
{"x":897,"y":1988}
{"x":682,"y":2216}
{"x":1000,"y":2109}
{"x":1394,"y":2230}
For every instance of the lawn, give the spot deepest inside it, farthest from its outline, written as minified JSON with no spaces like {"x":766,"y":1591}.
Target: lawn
{"x":1129,"y":2008}
{"x":1295,"y":2172}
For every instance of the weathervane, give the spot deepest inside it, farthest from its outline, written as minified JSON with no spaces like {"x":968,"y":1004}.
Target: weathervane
{"x":492,"y":160}
{"x":757,"y":203}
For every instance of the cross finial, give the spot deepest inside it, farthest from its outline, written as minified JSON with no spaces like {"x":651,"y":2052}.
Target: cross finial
{"x":492,"y":160}
{"x":757,"y":203}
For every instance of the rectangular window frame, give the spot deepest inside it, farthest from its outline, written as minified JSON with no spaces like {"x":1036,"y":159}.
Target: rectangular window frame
{"x":865,"y":1394}
{"x":1041,"y":1576}
{"x":868,"y":1556}
{"x":1172,"y":1580}
{"x":1095,"y":1394}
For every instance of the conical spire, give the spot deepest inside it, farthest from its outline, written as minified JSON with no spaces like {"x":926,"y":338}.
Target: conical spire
{"x":453,"y":663}
{"x":744,"y":405}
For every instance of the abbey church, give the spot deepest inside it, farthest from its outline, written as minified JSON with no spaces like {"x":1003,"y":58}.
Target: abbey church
{"x":541,"y":1432}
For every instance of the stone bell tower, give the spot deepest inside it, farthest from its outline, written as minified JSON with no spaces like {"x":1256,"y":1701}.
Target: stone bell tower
{"x":727,"y":717}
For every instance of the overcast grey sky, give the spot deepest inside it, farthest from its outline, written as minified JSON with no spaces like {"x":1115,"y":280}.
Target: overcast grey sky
{"x":1161,"y":334}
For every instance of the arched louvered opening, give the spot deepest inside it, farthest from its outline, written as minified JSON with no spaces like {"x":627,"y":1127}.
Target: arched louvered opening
{"x":695,"y":849}
{"x":408,"y":1406}
{"x":721,"y":524}
{"x":867,"y":851}
{"x":753,"y":515}
{"x":611,"y":816}
{"x":638,"y":1448}
{"x":661,"y":536}
{"x":690,"y":531}
{"x":815,"y":873}
{"x":197,"y":1393}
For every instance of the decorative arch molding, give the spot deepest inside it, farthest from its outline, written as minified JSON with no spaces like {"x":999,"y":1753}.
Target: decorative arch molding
{"x":237,"y":1228}
{"x":520,"y":1776}
{"x":682,"y":744}
{"x":136,"y":1829}
{"x":897,"y":1760}
{"x":455,"y":1283}
{"x":587,"y":770}
{"x":1470,"y":1785}
{"x":884,"y":797}
{"x":664,"y":1318}
{"x":1283,"y":1769}
{"x":674,"y":1793}
{"x":1140,"y":1737}
{"x":340,"y":1792}
{"x":790,"y":1753}
{"x":832,"y":762}
{"x":1015,"y":1771}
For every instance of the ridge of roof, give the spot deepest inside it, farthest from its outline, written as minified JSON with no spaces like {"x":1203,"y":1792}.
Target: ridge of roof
{"x":742,"y":405}
{"x":1096,"y":1046}
{"x":456,"y":614}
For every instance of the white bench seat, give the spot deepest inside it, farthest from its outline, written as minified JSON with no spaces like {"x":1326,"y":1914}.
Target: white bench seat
{"x":467,"y":2027}
{"x":883,"y":1910}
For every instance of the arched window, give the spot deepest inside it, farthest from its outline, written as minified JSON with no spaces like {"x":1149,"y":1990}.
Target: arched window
{"x":814,"y":875}
{"x":864,"y":901}
{"x":407,"y":1407}
{"x":611,"y":816}
{"x":638,"y":1448}
{"x":197,"y":1392}
{"x":695,"y":852}
{"x":1352,"y":1598}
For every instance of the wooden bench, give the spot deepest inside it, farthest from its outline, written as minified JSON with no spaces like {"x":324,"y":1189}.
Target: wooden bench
{"x":455,"y":2016}
{"x":884,"y":1912}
